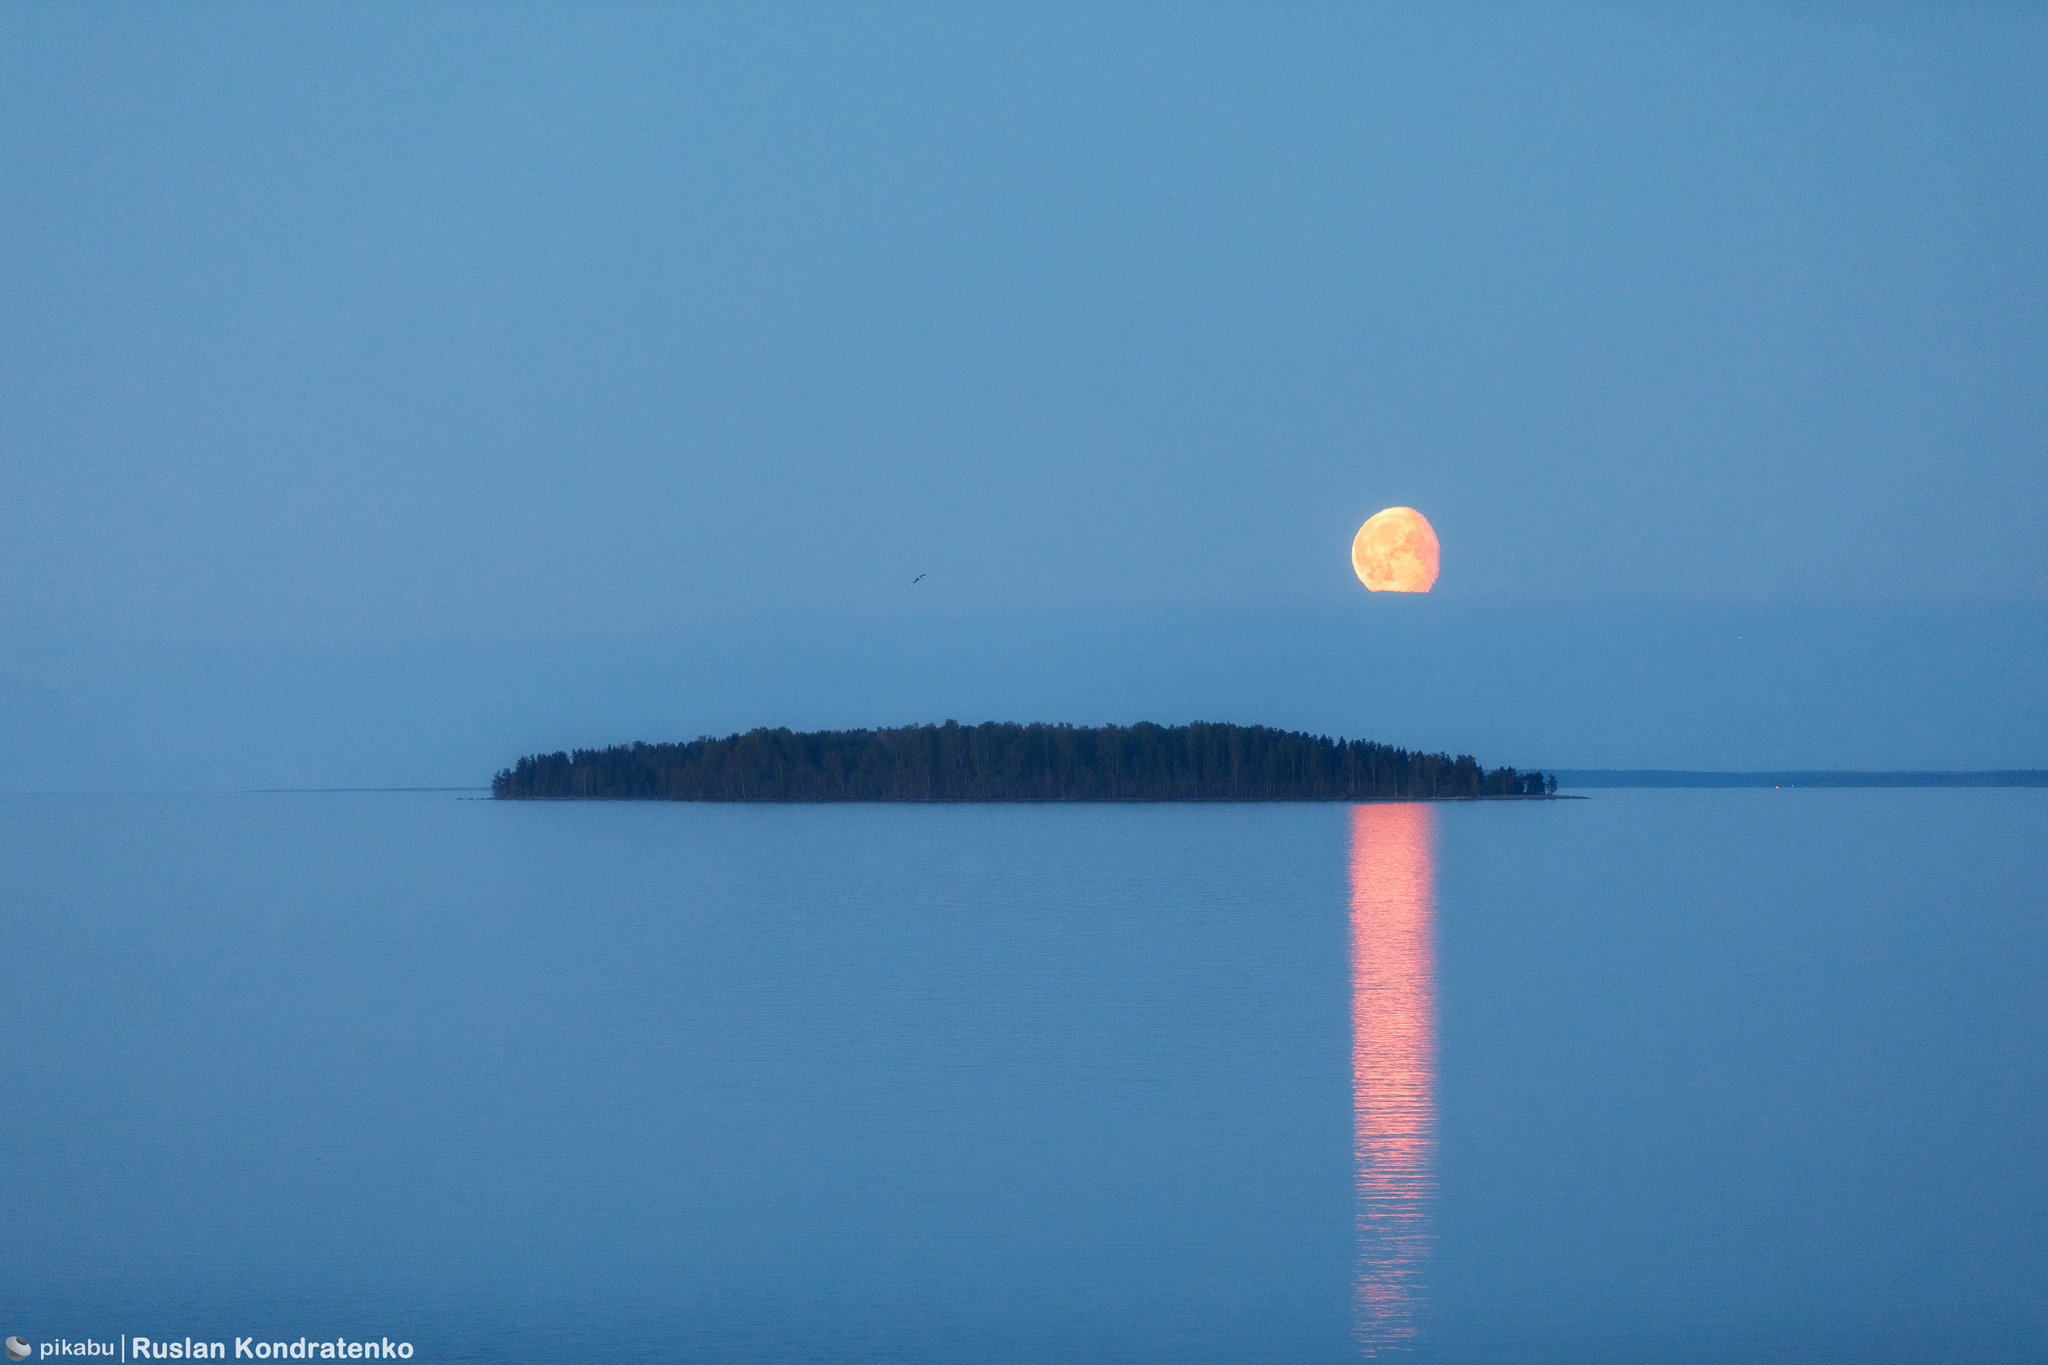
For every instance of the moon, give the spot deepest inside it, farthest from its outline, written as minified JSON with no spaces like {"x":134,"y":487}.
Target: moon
{"x":1395,"y":551}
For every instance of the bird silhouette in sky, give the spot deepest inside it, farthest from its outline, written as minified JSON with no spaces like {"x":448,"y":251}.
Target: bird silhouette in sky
{"x":917,"y":580}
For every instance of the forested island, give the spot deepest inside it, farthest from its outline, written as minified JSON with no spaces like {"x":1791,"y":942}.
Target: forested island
{"x":1000,"y":762}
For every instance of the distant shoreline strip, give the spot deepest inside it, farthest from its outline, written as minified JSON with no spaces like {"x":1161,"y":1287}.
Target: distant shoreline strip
{"x":275,"y":791}
{"x":1675,"y":777}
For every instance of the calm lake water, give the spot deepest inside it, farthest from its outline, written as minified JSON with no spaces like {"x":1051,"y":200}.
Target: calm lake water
{"x":1657,"y":1076}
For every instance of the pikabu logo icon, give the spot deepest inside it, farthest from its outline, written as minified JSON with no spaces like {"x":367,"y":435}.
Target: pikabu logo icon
{"x":17,"y":1348}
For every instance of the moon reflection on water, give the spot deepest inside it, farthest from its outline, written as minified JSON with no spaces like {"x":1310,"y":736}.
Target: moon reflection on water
{"x":1393,"y":1064}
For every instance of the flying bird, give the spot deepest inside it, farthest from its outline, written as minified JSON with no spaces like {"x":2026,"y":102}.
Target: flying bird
{"x":917,"y":580}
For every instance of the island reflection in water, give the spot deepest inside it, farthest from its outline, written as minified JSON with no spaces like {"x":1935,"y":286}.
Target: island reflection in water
{"x":1393,"y":1063}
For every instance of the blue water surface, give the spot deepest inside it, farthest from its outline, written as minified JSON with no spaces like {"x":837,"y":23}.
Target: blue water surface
{"x":1719,"y":1074}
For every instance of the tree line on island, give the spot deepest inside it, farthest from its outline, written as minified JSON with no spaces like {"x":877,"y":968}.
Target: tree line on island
{"x":1004,"y":762}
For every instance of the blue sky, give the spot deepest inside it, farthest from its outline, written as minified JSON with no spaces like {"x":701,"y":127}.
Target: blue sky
{"x":389,"y":392}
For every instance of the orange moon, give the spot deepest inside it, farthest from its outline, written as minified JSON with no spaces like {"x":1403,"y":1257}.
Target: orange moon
{"x":1395,"y":551}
